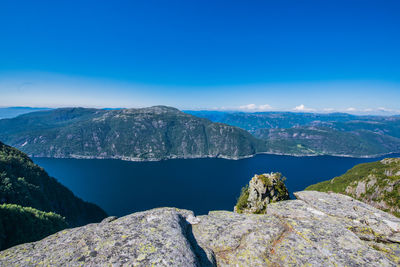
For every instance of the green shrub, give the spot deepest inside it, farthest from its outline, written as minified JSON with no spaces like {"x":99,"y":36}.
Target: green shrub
{"x":24,"y":224}
{"x":242,"y":200}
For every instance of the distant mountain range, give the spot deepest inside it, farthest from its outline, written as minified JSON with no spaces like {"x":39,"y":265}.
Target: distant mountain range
{"x":316,"y":134}
{"x":160,"y":132}
{"x":132,"y":134}
{"x":12,"y":112}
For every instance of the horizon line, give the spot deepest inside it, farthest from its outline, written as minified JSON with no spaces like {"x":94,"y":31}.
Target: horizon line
{"x":391,"y":113}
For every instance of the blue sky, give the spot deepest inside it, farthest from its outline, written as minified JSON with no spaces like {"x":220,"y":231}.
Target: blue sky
{"x":246,"y":55}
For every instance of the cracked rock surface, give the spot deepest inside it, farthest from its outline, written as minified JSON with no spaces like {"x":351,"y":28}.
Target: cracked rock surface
{"x":317,"y":229}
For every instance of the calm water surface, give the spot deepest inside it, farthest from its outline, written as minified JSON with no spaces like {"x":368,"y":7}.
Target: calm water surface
{"x":123,"y":187}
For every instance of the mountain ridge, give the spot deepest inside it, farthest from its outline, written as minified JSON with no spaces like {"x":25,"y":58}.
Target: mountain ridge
{"x":307,"y":134}
{"x":162,"y":132}
{"x":153,"y":133}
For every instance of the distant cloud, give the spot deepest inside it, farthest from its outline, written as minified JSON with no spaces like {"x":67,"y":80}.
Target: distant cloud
{"x":388,"y":110}
{"x":254,"y":107}
{"x":249,"y":107}
{"x":264,"y":107}
{"x":382,"y":109}
{"x":351,"y":109}
{"x":303,"y":108}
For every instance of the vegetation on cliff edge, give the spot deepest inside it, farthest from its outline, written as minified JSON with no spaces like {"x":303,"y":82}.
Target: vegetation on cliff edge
{"x":24,"y":224}
{"x":33,"y":204}
{"x":376,"y":183}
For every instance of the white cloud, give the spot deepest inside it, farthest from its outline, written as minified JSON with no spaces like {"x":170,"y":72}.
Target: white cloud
{"x":254,"y":107}
{"x":248,"y":107}
{"x":382,"y":109}
{"x":351,"y":109}
{"x":303,"y":108}
{"x":388,"y":110}
{"x":264,"y":107}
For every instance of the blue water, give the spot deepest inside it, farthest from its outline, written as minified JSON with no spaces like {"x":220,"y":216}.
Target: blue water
{"x":201,"y":185}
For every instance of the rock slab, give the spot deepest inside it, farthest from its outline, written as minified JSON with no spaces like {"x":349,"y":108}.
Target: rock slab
{"x":317,"y":229}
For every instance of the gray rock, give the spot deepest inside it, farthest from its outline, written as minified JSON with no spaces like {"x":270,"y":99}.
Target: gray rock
{"x":156,"y":237}
{"x":237,"y":239}
{"x":317,"y":229}
{"x":263,"y":189}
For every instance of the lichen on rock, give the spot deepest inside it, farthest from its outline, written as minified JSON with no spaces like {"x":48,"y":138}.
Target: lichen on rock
{"x":317,"y":229}
{"x":262,"y":189}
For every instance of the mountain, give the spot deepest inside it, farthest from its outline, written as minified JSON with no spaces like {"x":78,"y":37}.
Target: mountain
{"x":26,"y":184}
{"x":160,"y":132}
{"x":316,"y":229}
{"x":12,"y":112}
{"x":376,"y":183}
{"x":132,"y":134}
{"x":270,"y":120}
{"x":315,"y":140}
{"x":317,"y":134}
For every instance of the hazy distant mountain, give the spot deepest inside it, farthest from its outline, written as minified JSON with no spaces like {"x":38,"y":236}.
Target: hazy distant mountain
{"x":259,"y":120}
{"x":12,"y":112}
{"x":133,"y":134}
{"x":311,"y":134}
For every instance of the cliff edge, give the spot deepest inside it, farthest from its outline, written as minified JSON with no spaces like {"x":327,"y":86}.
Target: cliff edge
{"x":376,"y":183}
{"x":318,"y":229}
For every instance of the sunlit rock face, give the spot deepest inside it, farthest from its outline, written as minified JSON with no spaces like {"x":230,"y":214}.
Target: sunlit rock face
{"x":317,"y":229}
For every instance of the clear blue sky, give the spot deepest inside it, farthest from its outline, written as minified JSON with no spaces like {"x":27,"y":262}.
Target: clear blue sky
{"x":254,"y":55}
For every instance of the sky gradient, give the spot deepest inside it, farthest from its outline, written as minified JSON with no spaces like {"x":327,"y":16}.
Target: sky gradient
{"x":242,"y":55}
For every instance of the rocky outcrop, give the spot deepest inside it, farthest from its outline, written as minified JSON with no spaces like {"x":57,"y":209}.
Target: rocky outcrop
{"x":263,"y":189}
{"x":317,"y":229}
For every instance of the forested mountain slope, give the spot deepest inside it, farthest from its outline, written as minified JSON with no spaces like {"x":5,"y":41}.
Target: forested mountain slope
{"x":133,"y":134}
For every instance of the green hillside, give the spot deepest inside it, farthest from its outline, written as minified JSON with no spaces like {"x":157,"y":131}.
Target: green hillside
{"x":376,"y":183}
{"x":24,"y":183}
{"x":328,"y":141}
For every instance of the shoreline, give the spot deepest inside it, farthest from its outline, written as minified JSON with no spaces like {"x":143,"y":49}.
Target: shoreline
{"x":137,"y":159}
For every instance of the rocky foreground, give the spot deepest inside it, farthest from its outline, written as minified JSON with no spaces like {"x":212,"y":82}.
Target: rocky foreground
{"x":318,"y":229}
